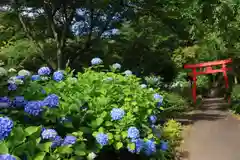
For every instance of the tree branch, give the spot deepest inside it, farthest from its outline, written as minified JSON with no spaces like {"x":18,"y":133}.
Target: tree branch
{"x":90,"y":40}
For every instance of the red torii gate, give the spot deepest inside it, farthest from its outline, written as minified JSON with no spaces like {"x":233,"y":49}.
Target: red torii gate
{"x":206,"y":68}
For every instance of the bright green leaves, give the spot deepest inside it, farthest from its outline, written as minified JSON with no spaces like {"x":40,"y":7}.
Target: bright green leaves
{"x":131,"y":146}
{"x":45,"y":147}
{"x":118,"y":145}
{"x":80,"y":149}
{"x":31,"y":130}
{"x":64,"y":150}
{"x":40,"y":156}
{"x":3,"y":148}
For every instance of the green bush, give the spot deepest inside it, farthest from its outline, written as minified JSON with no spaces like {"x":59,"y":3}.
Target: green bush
{"x":235,"y":97}
{"x":62,"y":116}
{"x":172,"y":133}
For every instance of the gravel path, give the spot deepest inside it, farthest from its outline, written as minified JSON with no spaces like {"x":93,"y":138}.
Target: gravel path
{"x":213,"y":135}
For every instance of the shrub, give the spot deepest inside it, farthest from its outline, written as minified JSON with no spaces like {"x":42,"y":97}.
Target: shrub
{"x":172,"y":133}
{"x":59,"y":116}
{"x":235,"y":96}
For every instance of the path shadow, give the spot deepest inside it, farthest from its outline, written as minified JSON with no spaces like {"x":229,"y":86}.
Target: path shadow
{"x":190,"y":118}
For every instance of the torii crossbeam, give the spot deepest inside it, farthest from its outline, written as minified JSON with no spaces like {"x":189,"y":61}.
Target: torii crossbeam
{"x":206,"y":68}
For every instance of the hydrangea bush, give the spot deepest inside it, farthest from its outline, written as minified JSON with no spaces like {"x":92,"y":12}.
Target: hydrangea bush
{"x":55,"y":115}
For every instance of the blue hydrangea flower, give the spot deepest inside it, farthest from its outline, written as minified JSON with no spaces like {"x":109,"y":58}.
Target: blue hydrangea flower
{"x":128,"y":72}
{"x":36,"y":77}
{"x":143,"y":86}
{"x":153,"y":119}
{"x":164,"y":145}
{"x":43,"y":91}
{"x":19,"y":101}
{"x":133,"y":133}
{"x":149,"y":147}
{"x":58,"y":76}
{"x":7,"y":157}
{"x":5,"y":102}
{"x":102,"y":139}
{"x":34,"y":108}
{"x":43,"y":71}
{"x":49,"y":134}
{"x":117,"y":113}
{"x":20,"y":77}
{"x":57,"y":142}
{"x":139,"y":144}
{"x":6,"y":126}
{"x":158,"y":97}
{"x":96,"y":61}
{"x":159,"y":104}
{"x":12,"y":87}
{"x":69,"y":140}
{"x":51,"y":101}
{"x":116,"y":66}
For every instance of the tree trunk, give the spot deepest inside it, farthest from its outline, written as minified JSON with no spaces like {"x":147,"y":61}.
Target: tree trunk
{"x":59,"y":58}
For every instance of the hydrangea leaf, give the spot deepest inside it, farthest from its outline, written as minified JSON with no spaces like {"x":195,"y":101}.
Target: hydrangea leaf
{"x":3,"y":148}
{"x":64,"y":150}
{"x":31,"y":130}
{"x":40,"y":156}
{"x":119,"y":145}
{"x":45,"y":147}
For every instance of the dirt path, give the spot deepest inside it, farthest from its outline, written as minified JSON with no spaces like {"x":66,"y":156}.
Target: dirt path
{"x":213,"y":135}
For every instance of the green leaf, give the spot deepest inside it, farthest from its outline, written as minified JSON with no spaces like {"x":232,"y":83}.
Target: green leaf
{"x":124,"y":135}
{"x":110,"y":136}
{"x":40,"y":156}
{"x":131,"y":146}
{"x":80,"y":153}
{"x":3,"y":148}
{"x":119,"y":145}
{"x":108,"y":123}
{"x":45,"y":147}
{"x":85,"y":130}
{"x":95,"y":134}
{"x":18,"y":134}
{"x":20,"y":149}
{"x":104,"y":114}
{"x":150,"y":136}
{"x":68,"y":124}
{"x":64,"y":150}
{"x":31,"y":130}
{"x":117,"y":137}
{"x":96,"y":123}
{"x":99,"y":121}
{"x":101,"y":129}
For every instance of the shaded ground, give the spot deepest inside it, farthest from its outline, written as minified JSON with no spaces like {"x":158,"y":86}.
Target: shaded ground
{"x":214,"y":134}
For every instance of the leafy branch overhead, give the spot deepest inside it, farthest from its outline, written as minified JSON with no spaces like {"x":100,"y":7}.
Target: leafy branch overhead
{"x":140,"y":34}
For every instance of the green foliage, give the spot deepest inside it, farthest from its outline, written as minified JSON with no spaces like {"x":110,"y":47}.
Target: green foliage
{"x":175,"y":103}
{"x":154,"y":81}
{"x":235,"y":97}
{"x":87,"y":101}
{"x":19,"y":52}
{"x":172,"y":132}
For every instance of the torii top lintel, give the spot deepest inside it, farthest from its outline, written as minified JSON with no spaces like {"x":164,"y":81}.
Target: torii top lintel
{"x":206,"y":64}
